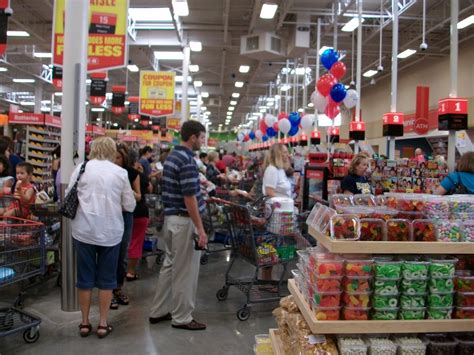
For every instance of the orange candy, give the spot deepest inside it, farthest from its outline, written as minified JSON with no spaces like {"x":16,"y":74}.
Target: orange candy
{"x":327,"y":314}
{"x":352,"y":313}
{"x":328,"y":285}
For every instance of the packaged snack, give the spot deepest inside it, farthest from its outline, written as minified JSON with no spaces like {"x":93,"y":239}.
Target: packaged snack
{"x":461,"y":203}
{"x":364,"y":200}
{"x":373,"y":229}
{"x":341,"y":200}
{"x":356,"y":313}
{"x":468,"y":228}
{"x":464,"y":283}
{"x":328,"y":284}
{"x":384,"y":213}
{"x":398,"y":230}
{"x":414,"y":269}
{"x":414,"y":286}
{"x":326,"y":268}
{"x":465,"y":344}
{"x":424,"y":230}
{"x":326,"y":299}
{"x":410,"y":346}
{"x":412,"y":313}
{"x":465,"y":299}
{"x":385,"y":301}
{"x":361,"y":267}
{"x":322,"y":224}
{"x":441,"y":299}
{"x":356,"y":299}
{"x":388,"y":269}
{"x":439,"y":344}
{"x":384,"y":286}
{"x":440,"y":312}
{"x":464,"y":313}
{"x":350,"y":345}
{"x":415,"y":300}
{"x":384,"y":313}
{"x":442,"y":267}
{"x":345,"y":226}
{"x":437,"y":207}
{"x":439,"y":284}
{"x":381,"y":346}
{"x":449,"y":231}
{"x":357,"y":284}
{"x":327,"y":313}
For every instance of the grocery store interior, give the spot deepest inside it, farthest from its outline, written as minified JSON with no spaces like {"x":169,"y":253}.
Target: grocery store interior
{"x":334,"y":157}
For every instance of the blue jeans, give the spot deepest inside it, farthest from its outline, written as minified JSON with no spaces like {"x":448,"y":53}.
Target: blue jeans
{"x":122,"y":259}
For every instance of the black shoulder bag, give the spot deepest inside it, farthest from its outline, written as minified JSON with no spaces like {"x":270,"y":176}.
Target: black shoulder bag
{"x":459,"y":188}
{"x":70,"y":204}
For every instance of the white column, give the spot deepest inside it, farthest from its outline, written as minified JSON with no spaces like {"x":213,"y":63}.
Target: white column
{"x":358,"y":69}
{"x":38,"y":96}
{"x":453,"y":60}
{"x":72,"y":129}
{"x":393,"y":105}
{"x":184,"y":86}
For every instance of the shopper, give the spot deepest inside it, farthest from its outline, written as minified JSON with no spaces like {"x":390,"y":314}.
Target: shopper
{"x":229,"y":159}
{"x":104,"y":192}
{"x":221,"y":165}
{"x":356,"y":181}
{"x":212,"y":173}
{"x":177,"y":283}
{"x":24,"y":192}
{"x":55,"y":166}
{"x":275,"y":179}
{"x":7,"y":149}
{"x":146,"y":158}
{"x":461,"y":180}
{"x":125,"y":159}
{"x":6,"y":180}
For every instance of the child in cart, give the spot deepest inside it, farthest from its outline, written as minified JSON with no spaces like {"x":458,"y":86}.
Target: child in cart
{"x":24,"y":192}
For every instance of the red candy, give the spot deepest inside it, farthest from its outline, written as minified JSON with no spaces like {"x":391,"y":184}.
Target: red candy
{"x":356,"y":313}
{"x":358,"y":267}
{"x":327,"y":313}
{"x":464,"y":283}
{"x":356,"y":284}
{"x":327,"y":299}
{"x":345,"y":227}
{"x":329,"y":284}
{"x":398,"y":230}
{"x":372,"y":229}
{"x":424,"y":231}
{"x":464,"y":313}
{"x":329,"y":267}
{"x":464,"y":299}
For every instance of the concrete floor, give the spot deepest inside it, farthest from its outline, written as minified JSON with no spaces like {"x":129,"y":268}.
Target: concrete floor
{"x":133,"y":334}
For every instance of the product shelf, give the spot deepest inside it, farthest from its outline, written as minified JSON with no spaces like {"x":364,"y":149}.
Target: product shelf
{"x":42,"y":140}
{"x":276,"y":342}
{"x":363,"y":247}
{"x":46,"y":133}
{"x":39,"y":164}
{"x":36,"y":147}
{"x":31,"y":155}
{"x":375,"y":326}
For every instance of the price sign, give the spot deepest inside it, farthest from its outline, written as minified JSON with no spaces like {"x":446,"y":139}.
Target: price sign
{"x":452,"y":105}
{"x":357,"y":131}
{"x":393,"y":118}
{"x":393,"y":124}
{"x":452,"y":114}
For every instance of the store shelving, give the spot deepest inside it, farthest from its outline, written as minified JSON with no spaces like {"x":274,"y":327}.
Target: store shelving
{"x":375,"y":326}
{"x":276,"y":342}
{"x":363,"y":247}
{"x":45,"y":132}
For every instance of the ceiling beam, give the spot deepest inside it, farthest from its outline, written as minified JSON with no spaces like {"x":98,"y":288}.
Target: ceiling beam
{"x":255,"y":14}
{"x":282,"y":15}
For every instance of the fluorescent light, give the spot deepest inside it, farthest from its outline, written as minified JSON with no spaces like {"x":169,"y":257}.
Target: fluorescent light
{"x":98,"y":119}
{"x":24,"y":81}
{"x":27,"y":103}
{"x":231,"y":108}
{"x":406,"y":53}
{"x":285,"y":87}
{"x":352,"y":24}
{"x":323,"y":48}
{"x":197,"y":83}
{"x":169,"y":55}
{"x":154,"y":26}
{"x":150,"y":122}
{"x":20,"y":111}
{"x":88,"y":81}
{"x":193,"y":103}
{"x":18,"y":34}
{"x":136,"y":119}
{"x":204,"y":94}
{"x":194,"y":68}
{"x":97,"y":109}
{"x":115,"y":124}
{"x":2,"y":69}
{"x":369,"y":73}
{"x":268,"y":10}
{"x":45,"y":101}
{"x":263,"y":110}
{"x":466,"y":22}
{"x":179,"y":79}
{"x":150,"y":14}
{"x":109,"y":95}
{"x":203,"y":108}
{"x":300,"y":71}
{"x":239,"y":84}
{"x":126,"y":103}
{"x":58,"y":94}
{"x":310,"y":104}
{"x":180,"y":7}
{"x":42,"y":55}
{"x":195,"y":46}
{"x":270,"y":99}
{"x":233,"y":102}
{"x":235,"y":95}
{"x":133,"y":68}
{"x":300,"y":110}
{"x":207,"y":113}
{"x":229,"y":113}
{"x":244,"y":69}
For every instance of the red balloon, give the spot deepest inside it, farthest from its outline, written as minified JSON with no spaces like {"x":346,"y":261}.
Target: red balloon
{"x":275,"y":126}
{"x":338,"y":70}
{"x":282,"y":115}
{"x":263,"y":126}
{"x":246,"y":138}
{"x":332,"y":109}
{"x":325,"y":84}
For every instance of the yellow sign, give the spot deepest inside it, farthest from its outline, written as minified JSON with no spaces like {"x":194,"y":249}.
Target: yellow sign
{"x":157,"y":93}
{"x":173,"y":123}
{"x":107,"y":48}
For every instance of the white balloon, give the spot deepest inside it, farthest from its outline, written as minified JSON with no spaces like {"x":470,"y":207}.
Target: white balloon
{"x":307,"y":123}
{"x":240,"y":136}
{"x":258,"y":134}
{"x":351,"y":99}
{"x":270,"y":120}
{"x":319,"y":101}
{"x":284,"y":125}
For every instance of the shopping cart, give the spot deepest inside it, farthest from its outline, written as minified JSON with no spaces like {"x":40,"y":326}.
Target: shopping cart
{"x":253,"y":244}
{"x":22,"y":257}
{"x":156,"y":221}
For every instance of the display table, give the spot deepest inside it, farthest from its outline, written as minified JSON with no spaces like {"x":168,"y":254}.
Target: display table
{"x":276,"y":342}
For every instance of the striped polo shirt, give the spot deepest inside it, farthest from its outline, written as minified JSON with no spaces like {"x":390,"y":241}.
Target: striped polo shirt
{"x":180,"y":178}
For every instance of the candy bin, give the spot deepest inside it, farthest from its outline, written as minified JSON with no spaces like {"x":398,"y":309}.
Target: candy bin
{"x":384,"y":213}
{"x":412,"y":215}
{"x":410,"y":346}
{"x":391,"y":200}
{"x":323,"y":223}
{"x":414,"y":286}
{"x":357,"y":284}
{"x":440,"y":284}
{"x":373,"y":229}
{"x":415,"y":269}
{"x":465,"y":344}
{"x":424,"y":230}
{"x":383,"y":286}
{"x":449,"y":231}
{"x":440,"y":312}
{"x":461,"y":203}
{"x":464,"y":313}
{"x":297,"y":276}
{"x":437,"y":208}
{"x":326,"y":299}
{"x":356,"y":299}
{"x":359,"y":267}
{"x":412,"y":313}
{"x":411,"y":202}
{"x":465,"y":299}
{"x":329,"y":267}
{"x":326,"y":313}
{"x":351,"y":345}
{"x":468,"y":228}
{"x":464,"y":283}
{"x":415,"y":300}
{"x":328,"y":284}
{"x":315,"y":214}
{"x":345,"y":226}
{"x":398,"y":230}
{"x":384,"y":313}
{"x":381,"y":346}
{"x":341,"y":200}
{"x":439,"y":344}
{"x":388,"y":269}
{"x":385,"y":301}
{"x":364,"y":200}
{"x":356,"y":313}
{"x":441,"y":299}
{"x":442,"y":267}
{"x":381,"y":200}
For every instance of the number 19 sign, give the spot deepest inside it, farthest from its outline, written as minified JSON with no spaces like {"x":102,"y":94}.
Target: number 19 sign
{"x":452,"y":114}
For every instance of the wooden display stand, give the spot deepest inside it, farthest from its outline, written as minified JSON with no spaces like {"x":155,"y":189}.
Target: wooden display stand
{"x":277,"y":345}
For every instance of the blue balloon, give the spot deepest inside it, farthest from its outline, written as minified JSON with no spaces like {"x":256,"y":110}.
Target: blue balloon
{"x":293,"y":131}
{"x":294,"y":119}
{"x":338,"y":92}
{"x":329,"y":57}
{"x":252,"y":135}
{"x":265,"y":138}
{"x":271,"y":132}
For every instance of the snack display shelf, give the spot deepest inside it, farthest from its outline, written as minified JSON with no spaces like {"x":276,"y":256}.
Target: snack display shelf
{"x":43,"y":173}
{"x":375,"y":326}
{"x":39,"y":164}
{"x":276,"y":342}
{"x":42,"y":181}
{"x":31,"y":155}
{"x":38,"y":147}
{"x":42,"y":140}
{"x":46,"y":133}
{"x":380,"y":247}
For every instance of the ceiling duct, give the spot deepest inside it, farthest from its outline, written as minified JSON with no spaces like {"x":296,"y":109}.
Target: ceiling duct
{"x":299,"y":41}
{"x":263,"y":46}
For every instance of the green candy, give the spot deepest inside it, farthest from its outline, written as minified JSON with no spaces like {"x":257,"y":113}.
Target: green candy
{"x":412,"y":313}
{"x":440,"y":312}
{"x":414,"y":286}
{"x":385,"y":313}
{"x":389,"y":270}
{"x":411,"y":270}
{"x":409,"y":301}
{"x":441,"y":269}
{"x":380,"y":301}
{"x":386,"y":287}
{"x":440,"y":300}
{"x":441,"y":285}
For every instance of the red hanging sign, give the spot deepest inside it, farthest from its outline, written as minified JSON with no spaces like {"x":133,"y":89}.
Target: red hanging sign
{"x":133,"y":108}
{"x":98,"y":88}
{"x":333,"y":131}
{"x":452,"y":105}
{"x":4,"y":4}
{"x":118,"y":99}
{"x":452,"y":114}
{"x":395,"y":118}
{"x":357,"y":126}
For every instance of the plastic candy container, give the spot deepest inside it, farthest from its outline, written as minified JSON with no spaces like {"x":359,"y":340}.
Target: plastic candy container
{"x":465,"y":299}
{"x":384,"y":313}
{"x":440,"y":312}
{"x":410,"y":346}
{"x":465,"y":344}
{"x":440,"y":299}
{"x":410,"y":215}
{"x":464,"y":283}
{"x":356,"y":313}
{"x":381,"y":200}
{"x":415,"y":269}
{"x":468,"y":228}
{"x":345,"y":226}
{"x":450,"y":231}
{"x":443,"y":285}
{"x":356,"y":299}
{"x":442,"y":267}
{"x":414,"y":286}
{"x":388,"y":269}
{"x":381,"y":346}
{"x":398,"y":230}
{"x":424,"y":230}
{"x":464,"y":313}
{"x":386,"y":286}
{"x":328,"y":284}
{"x":326,"y":268}
{"x":461,"y":203}
{"x":412,"y":313}
{"x":356,"y":284}
{"x":384,"y":213}
{"x":323,"y":223}
{"x":327,"y":313}
{"x":315,"y":214}
{"x":390,"y":301}
{"x":364,"y":200}
{"x":341,"y":200}
{"x":359,"y":211}
{"x":440,"y":344}
{"x":406,"y":202}
{"x":416,"y":300}
{"x":326,"y":299}
{"x":372,"y":229}
{"x":359,"y":267}
{"x":437,"y":208}
{"x":351,"y":346}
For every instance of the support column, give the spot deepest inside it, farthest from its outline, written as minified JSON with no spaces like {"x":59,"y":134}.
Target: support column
{"x":184,"y":86}
{"x":393,"y":105}
{"x":358,"y":69}
{"x":453,"y":61}
{"x":72,"y":131}
{"x":38,"y":96}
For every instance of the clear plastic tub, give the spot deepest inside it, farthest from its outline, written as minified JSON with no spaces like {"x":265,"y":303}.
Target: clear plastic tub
{"x":412,"y":313}
{"x":357,"y":284}
{"x":388,"y":269}
{"x":410,"y":345}
{"x":385,"y":301}
{"x":326,"y":299}
{"x":464,"y":313}
{"x":326,"y":313}
{"x":440,"y":284}
{"x":359,"y":211}
{"x":322,"y":224}
{"x":381,"y":200}
{"x":355,"y":313}
{"x":450,"y":231}
{"x":341,"y":200}
{"x":465,"y":299}
{"x":328,"y":268}
{"x":440,"y":344}
{"x":384,"y":213}
{"x":384,"y":313}
{"x":414,"y":286}
{"x":468,"y":228}
{"x":381,"y":346}
{"x":384,"y":286}
{"x":328,"y":284}
{"x":414,"y":269}
{"x":465,"y":344}
{"x":442,"y":267}
{"x":415,"y":300}
{"x":424,"y":230}
{"x":315,"y":214}
{"x":359,"y":267}
{"x":440,"y":312}
{"x":437,"y":207}
{"x":364,"y":200}
{"x":373,"y":229}
{"x":356,"y":299}
{"x":351,"y":345}
{"x":399,"y":230}
{"x":464,"y":283}
{"x":441,"y":299}
{"x":461,"y":203}
{"x":345,"y":226}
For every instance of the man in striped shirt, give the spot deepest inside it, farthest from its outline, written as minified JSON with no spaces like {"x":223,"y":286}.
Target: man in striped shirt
{"x":176,"y":291}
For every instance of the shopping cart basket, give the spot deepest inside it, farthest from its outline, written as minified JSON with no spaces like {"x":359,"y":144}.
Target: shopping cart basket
{"x":22,"y":257}
{"x":253,"y":244}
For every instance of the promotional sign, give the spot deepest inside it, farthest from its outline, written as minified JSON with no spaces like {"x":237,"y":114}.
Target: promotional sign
{"x":133,"y":108}
{"x":156,"y":93}
{"x":58,"y":77}
{"x":53,"y":121}
{"x":357,"y":130}
{"x":173,"y":123}
{"x":393,"y":124}
{"x":118,"y":99}
{"x":418,"y":125}
{"x":108,"y":21}
{"x":452,"y":114}
{"x":4,"y":4}
{"x":98,"y":88}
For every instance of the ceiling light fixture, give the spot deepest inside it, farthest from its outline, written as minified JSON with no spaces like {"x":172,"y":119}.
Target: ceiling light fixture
{"x":197,"y":83}
{"x":203,"y":108}
{"x":468,"y":21}
{"x":204,"y":94}
{"x":244,"y":69}
{"x":194,"y":68}
{"x":168,"y":55}
{"x":352,"y":24}
{"x":239,"y":84}
{"x":195,"y":46}
{"x":231,"y":108}
{"x":18,"y":34}
{"x":235,"y":95}
{"x":97,"y":109}
{"x":58,"y":94}
{"x":23,"y":81}
{"x":2,"y":69}
{"x":233,"y":103}
{"x":133,"y":68}
{"x":180,"y":7}
{"x":406,"y":53}
{"x":369,"y":73}
{"x":42,"y":55}
{"x":179,"y":79}
{"x":268,"y":10}
{"x":285,"y":87}
{"x":310,"y":104}
{"x":27,"y":103}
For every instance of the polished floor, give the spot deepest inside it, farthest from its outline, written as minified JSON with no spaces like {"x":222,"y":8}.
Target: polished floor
{"x":133,"y":334}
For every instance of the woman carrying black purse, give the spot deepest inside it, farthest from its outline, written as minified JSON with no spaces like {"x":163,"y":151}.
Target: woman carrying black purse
{"x":460,"y":181}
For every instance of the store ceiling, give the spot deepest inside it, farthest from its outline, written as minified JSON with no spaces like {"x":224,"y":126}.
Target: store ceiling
{"x":219,"y":25}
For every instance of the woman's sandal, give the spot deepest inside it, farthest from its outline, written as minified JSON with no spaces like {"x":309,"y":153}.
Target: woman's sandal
{"x":132,"y":278}
{"x":85,"y":326}
{"x":120,"y":298}
{"x":114,"y":303}
{"x":108,"y":329}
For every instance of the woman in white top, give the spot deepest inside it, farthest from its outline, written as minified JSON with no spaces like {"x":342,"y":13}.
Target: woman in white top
{"x":103,"y":192}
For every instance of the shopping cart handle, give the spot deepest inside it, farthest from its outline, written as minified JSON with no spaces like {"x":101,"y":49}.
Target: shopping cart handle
{"x":218,"y":200}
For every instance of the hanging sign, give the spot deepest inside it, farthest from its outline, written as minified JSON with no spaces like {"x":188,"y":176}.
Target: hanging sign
{"x":393,"y":124}
{"x":357,"y":130}
{"x":333,"y":134}
{"x":107,"y":43}
{"x":118,"y":99}
{"x":452,"y":114}
{"x":26,"y":118}
{"x":4,"y":15}
{"x":133,"y":108}
{"x":98,"y":88}
{"x":173,"y":123}
{"x":156,"y":93}
{"x":315,"y":137}
{"x":57,"y":77}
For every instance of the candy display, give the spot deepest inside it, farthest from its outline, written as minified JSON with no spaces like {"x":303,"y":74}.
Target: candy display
{"x":381,"y":346}
{"x":465,"y":299}
{"x":398,"y":230}
{"x":415,"y":300}
{"x":464,"y":313}
{"x":424,"y":231}
{"x":449,"y":231}
{"x":358,"y":267}
{"x":359,"y":211}
{"x":388,"y":269}
{"x":384,"y":313}
{"x":414,"y":286}
{"x":410,"y":346}
{"x":327,"y":268}
{"x":383,"y":286}
{"x":468,"y":229}
{"x":356,"y":299}
{"x":412,"y":313}
{"x":440,"y":312}
{"x":322,"y":224}
{"x":351,"y":346}
{"x":364,"y":200}
{"x":327,"y":299}
{"x":384,"y":213}
{"x":443,"y":285}
{"x":440,"y":344}
{"x":442,"y":267}
{"x":405,"y":202}
{"x":464,"y":283}
{"x":372,"y":229}
{"x":356,"y":313}
{"x":329,"y":284}
{"x":414,"y":269}
{"x":382,"y":301}
{"x":327,"y":313}
{"x":465,"y":344}
{"x":345,"y":226}
{"x":356,"y":284}
{"x":440,"y":299}
{"x":437,"y":208}
{"x":341,"y":200}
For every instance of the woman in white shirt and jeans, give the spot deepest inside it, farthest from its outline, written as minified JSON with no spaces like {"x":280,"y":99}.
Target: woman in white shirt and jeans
{"x":103,"y":192}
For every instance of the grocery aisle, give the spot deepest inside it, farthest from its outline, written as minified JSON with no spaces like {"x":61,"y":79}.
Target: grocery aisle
{"x":133,"y":334}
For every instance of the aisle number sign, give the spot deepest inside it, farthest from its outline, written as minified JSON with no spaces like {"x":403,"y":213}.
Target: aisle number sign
{"x":156,"y":93}
{"x":107,"y":48}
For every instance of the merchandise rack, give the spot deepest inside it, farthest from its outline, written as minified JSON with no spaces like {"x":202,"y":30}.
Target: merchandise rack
{"x":363,"y":247}
{"x":276,"y":342}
